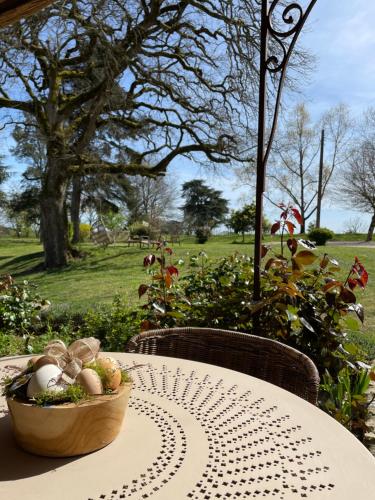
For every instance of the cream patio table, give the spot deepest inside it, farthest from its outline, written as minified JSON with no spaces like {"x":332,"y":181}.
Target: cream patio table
{"x":197,"y":431}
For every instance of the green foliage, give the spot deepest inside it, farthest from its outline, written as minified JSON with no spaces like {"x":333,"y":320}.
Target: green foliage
{"x":138,"y":228}
{"x":204,"y":207}
{"x":114,"y":221}
{"x":321,"y":235}
{"x":242,"y":221}
{"x":344,"y":398}
{"x":20,"y":307}
{"x":72,"y":394}
{"x":84,"y":231}
{"x":112,"y":325}
{"x":202,"y":234}
{"x":23,"y":210}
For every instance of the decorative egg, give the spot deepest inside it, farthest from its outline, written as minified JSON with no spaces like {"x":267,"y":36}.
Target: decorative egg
{"x":90,"y":381}
{"x":47,"y":377}
{"x":43,"y":360}
{"x":112,"y":372}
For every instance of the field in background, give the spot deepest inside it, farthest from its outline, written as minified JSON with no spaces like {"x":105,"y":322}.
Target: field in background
{"x":118,"y":269}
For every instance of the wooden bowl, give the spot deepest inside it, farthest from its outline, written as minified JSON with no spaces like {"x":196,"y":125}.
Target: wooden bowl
{"x":69,"y":429}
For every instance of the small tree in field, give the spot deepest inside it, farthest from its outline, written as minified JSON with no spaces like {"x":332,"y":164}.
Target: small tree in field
{"x":243,"y":221}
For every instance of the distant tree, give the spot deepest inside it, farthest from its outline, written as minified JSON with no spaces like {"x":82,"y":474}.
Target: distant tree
{"x":23,"y":210}
{"x":4,"y":175}
{"x":154,"y":199}
{"x":204,"y":208}
{"x":357,"y":184}
{"x":242,"y":221}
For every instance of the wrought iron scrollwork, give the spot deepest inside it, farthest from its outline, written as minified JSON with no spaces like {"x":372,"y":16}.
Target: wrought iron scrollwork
{"x":292,"y":16}
{"x":282,"y":22}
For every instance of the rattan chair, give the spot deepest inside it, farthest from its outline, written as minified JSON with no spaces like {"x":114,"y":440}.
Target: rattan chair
{"x":262,"y":358}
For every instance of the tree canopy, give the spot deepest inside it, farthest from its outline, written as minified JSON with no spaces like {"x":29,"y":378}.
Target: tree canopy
{"x":242,"y":220}
{"x":204,"y":207}
{"x":127,"y":87}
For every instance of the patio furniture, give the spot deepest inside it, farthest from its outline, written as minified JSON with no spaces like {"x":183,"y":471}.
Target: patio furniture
{"x":257,"y":356}
{"x":198,"y":431}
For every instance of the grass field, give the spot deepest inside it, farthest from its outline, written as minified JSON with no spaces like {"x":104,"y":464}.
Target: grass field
{"x":103,"y":273}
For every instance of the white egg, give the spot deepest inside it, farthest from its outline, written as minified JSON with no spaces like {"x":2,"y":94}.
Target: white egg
{"x":47,"y":377}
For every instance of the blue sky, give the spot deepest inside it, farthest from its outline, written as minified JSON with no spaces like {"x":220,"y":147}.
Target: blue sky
{"x":342,"y":36}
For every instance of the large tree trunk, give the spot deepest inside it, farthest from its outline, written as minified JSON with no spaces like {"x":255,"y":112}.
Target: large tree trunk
{"x":53,"y":215}
{"x":371,"y":228}
{"x":75,"y":208}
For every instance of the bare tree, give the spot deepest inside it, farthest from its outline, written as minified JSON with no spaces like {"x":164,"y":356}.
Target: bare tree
{"x":294,"y":167}
{"x":177,"y":77}
{"x":155,"y":198}
{"x":357,"y":184}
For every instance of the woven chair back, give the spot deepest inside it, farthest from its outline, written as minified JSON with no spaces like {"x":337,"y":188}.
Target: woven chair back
{"x":257,"y":356}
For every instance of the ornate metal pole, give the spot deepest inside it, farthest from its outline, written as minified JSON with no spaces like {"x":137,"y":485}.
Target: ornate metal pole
{"x":274,"y":62}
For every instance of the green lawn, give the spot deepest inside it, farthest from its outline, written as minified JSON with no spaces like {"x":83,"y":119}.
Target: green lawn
{"x":118,"y":269}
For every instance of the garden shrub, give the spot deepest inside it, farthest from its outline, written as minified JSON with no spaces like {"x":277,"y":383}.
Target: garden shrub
{"x":84,"y":231}
{"x":138,"y":229}
{"x":202,"y":234}
{"x":320,"y":235}
{"x":113,"y":325}
{"x":20,"y":306}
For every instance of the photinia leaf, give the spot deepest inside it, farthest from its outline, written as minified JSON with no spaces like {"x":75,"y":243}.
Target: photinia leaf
{"x":334,"y":262}
{"x":307,"y":325}
{"x":284,"y":214}
{"x":352,"y":283}
{"x":290,"y":289}
{"x":296,"y":266}
{"x":291,"y":227}
{"x":333,"y":286}
{"x":307,"y":244}
{"x":147,"y":325}
{"x":168,"y":250}
{"x":272,"y":263}
{"x":297,"y":215}
{"x":161,"y":260}
{"x":148,"y":260}
{"x":172,"y":270}
{"x":359,"y":310}
{"x":142,"y":290}
{"x":292,"y":245}
{"x":158,"y":307}
{"x":305,"y":257}
{"x":275,"y":227}
{"x":347,"y":296}
{"x":324,"y":262}
{"x":264,"y":250}
{"x":361,"y":272}
{"x":168,"y":280}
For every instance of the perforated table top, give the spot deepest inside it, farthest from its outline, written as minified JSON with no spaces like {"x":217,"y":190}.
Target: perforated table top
{"x":196,"y":431}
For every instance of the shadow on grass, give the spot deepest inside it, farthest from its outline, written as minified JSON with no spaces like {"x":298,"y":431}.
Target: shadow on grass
{"x":24,"y":264}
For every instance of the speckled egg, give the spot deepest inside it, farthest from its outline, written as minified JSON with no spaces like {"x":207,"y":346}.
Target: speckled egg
{"x":47,"y":377}
{"x":90,"y":381}
{"x":112,"y":371}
